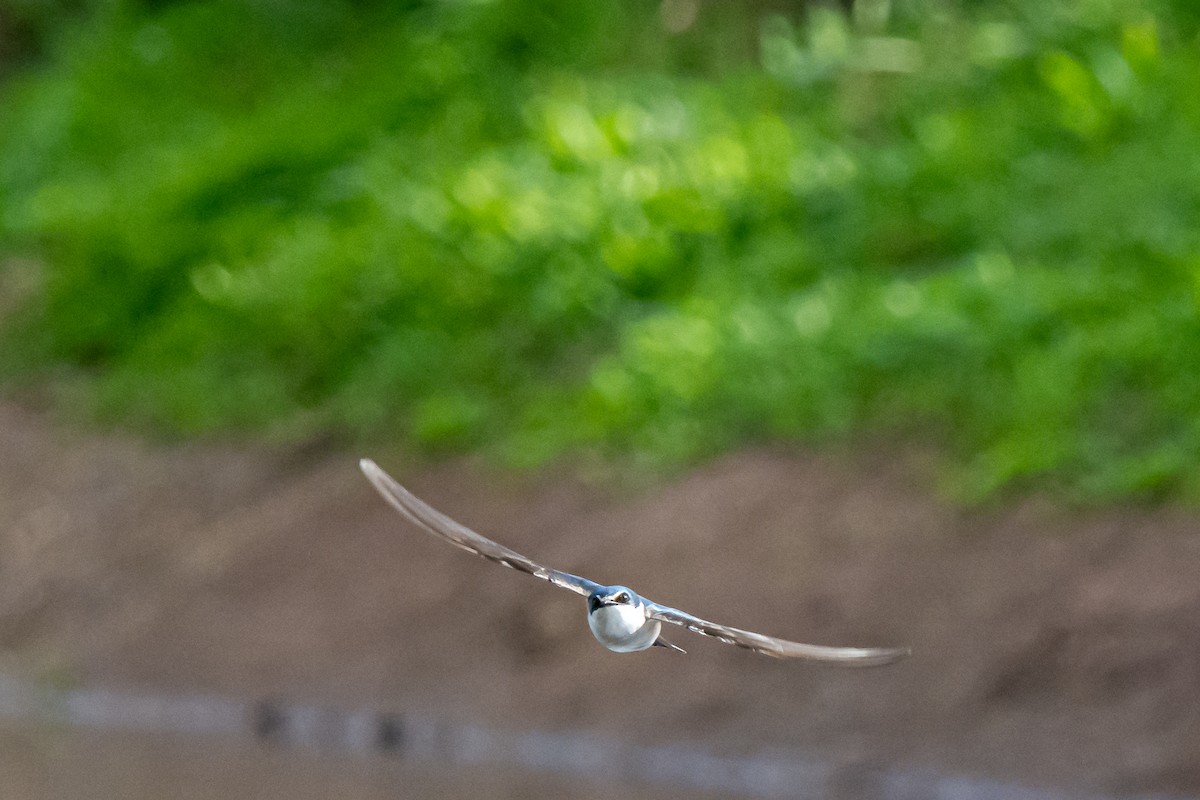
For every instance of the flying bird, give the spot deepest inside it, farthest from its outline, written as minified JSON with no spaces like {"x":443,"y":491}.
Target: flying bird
{"x":621,"y":619}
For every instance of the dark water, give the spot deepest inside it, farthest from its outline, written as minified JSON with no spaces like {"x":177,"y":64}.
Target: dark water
{"x":93,"y":743}
{"x":66,"y":764}
{"x":163,"y":737}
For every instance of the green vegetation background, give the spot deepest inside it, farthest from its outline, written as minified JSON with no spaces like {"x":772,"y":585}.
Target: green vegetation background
{"x":631,"y":229}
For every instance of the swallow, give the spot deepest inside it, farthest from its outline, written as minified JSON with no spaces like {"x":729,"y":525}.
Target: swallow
{"x":620,"y":619}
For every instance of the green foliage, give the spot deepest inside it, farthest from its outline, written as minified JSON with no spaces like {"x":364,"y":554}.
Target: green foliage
{"x":542,"y":227}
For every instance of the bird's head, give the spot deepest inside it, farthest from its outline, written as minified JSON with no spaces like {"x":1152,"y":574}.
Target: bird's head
{"x":613,"y":596}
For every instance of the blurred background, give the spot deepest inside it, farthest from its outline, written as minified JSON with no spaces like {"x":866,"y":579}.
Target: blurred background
{"x":868,"y":323}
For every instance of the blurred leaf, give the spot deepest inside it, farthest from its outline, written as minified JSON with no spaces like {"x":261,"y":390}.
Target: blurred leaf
{"x":530,"y":229}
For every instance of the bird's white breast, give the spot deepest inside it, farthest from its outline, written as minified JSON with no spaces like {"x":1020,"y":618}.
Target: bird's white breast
{"x":623,"y":628}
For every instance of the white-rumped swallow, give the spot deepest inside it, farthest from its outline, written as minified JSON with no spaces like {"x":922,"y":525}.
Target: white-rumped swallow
{"x":620,"y":619}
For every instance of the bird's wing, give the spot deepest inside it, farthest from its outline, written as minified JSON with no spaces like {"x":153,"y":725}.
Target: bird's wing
{"x":421,"y":514}
{"x":779,"y":648}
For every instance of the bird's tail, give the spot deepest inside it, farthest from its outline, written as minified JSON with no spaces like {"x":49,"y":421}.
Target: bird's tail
{"x":661,"y":642}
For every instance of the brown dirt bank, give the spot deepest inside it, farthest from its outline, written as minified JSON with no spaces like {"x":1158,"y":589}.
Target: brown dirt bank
{"x":1051,"y":647}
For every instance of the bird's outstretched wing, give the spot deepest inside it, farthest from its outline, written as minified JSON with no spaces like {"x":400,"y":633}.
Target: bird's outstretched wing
{"x":421,"y":514}
{"x":779,"y":648}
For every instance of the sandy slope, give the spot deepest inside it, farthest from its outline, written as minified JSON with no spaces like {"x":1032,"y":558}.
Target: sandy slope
{"x":1051,"y":647}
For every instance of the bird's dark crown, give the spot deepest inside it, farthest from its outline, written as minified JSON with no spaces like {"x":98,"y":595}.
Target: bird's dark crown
{"x":611,"y":596}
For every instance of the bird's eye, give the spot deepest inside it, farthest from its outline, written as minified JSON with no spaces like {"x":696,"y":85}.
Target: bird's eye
{"x":623,"y":597}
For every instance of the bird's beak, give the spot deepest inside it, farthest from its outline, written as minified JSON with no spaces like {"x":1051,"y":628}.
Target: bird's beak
{"x":595,"y":602}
